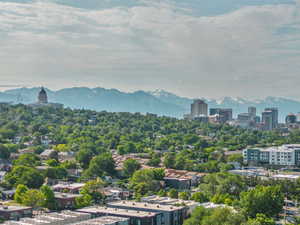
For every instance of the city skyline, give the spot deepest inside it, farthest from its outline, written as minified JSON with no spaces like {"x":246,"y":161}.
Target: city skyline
{"x":186,"y":48}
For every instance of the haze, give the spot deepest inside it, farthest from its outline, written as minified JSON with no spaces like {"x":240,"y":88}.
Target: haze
{"x":192,"y":48}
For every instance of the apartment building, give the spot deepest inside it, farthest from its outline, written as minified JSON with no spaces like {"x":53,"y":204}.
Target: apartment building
{"x":285,"y":155}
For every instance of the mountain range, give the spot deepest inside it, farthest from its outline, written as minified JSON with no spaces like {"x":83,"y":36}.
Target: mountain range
{"x":159,"y":101}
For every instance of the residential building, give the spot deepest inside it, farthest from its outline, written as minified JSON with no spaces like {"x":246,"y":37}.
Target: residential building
{"x":172,"y":215}
{"x":182,"y":179}
{"x":285,"y":155}
{"x":189,"y":205}
{"x":136,"y":217}
{"x":49,"y":154}
{"x":68,"y":187}
{"x":105,"y":220}
{"x":65,"y":200}
{"x":14,"y":212}
{"x":64,"y":217}
{"x":198,"y":108}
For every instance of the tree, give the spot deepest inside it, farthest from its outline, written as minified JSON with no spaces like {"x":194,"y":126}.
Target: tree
{"x":28,"y":176}
{"x":130,"y":166}
{"x":49,"y":197}
{"x":27,"y":159}
{"x":173,"y":193}
{"x":144,"y":181}
{"x":4,"y":152}
{"x":84,"y":157}
{"x":217,"y":216}
{"x":83,"y":201}
{"x":33,"y":198}
{"x":101,"y":165}
{"x":94,"y":189}
{"x":184,"y":195}
{"x":222,"y":183}
{"x":261,"y":219}
{"x":169,"y":160}
{"x":19,"y":194}
{"x":199,"y":197}
{"x":266,"y":200}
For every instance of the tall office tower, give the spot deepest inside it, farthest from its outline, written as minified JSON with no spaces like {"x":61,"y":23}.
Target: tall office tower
{"x":252,"y":111}
{"x":267,"y":120}
{"x":42,"y":97}
{"x":199,"y":108}
{"x":274,"y":117}
{"x":224,"y":114}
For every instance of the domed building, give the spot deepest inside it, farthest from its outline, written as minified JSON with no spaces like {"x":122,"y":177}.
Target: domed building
{"x":42,"y":101}
{"x":42,"y":97}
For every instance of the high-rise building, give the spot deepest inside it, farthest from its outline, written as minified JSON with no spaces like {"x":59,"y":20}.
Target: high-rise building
{"x":267,"y":120}
{"x":252,"y":111}
{"x":199,"y":108}
{"x":42,"y":97}
{"x":291,"y":118}
{"x":270,"y":118}
{"x":224,"y":114}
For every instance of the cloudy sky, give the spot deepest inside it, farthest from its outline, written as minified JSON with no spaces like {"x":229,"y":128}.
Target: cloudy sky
{"x":209,"y":48}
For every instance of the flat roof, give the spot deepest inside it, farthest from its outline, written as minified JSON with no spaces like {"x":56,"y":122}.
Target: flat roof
{"x":115,"y":211}
{"x":12,"y":208}
{"x":155,"y":199}
{"x":105,"y":220}
{"x":65,"y":195}
{"x":146,"y":206}
{"x":64,"y":217}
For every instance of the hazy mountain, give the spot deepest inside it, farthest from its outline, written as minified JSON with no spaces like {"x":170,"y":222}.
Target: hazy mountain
{"x":159,"y":101}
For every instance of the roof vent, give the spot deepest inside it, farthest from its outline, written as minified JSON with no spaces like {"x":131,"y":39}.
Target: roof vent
{"x":157,"y":206}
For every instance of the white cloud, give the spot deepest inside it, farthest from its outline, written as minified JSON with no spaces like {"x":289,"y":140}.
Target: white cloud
{"x":155,"y":45}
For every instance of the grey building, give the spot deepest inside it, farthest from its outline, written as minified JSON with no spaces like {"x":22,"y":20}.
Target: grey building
{"x":172,"y":215}
{"x":225,"y":114}
{"x":199,"y":108}
{"x":270,"y":118}
{"x":136,"y":217}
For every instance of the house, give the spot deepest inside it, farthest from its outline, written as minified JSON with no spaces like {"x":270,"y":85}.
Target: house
{"x":114,"y":194}
{"x":2,"y":175}
{"x":8,"y":194}
{"x":66,"y":156}
{"x":14,"y":212}
{"x":182,"y":179}
{"x":65,"y":200}
{"x":73,"y":188}
{"x":47,"y":154}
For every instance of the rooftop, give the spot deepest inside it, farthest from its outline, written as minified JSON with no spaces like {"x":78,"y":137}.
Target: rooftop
{"x":143,"y":205}
{"x":154,"y":199}
{"x":115,"y":211}
{"x":13,"y":208}
{"x":65,"y":195}
{"x":65,"y":217}
{"x":105,"y":220}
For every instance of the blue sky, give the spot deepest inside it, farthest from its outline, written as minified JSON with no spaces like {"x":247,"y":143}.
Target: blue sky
{"x":195,"y":48}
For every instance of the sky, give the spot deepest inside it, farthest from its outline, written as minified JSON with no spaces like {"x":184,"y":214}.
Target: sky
{"x":193,"y":48}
